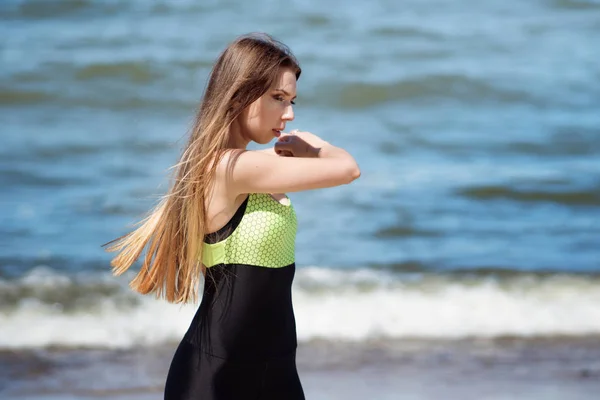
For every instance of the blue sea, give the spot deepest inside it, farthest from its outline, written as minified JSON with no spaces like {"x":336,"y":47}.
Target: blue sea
{"x":463,"y":264}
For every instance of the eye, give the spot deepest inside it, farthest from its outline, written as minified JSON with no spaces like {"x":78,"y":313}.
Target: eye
{"x":281,"y":98}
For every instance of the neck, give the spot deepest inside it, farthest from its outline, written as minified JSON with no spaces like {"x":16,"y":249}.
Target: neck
{"x":237,"y":139}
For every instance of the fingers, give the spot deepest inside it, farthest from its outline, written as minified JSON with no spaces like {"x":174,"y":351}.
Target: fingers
{"x":282,"y":148}
{"x":290,"y":133}
{"x":284,"y":153}
{"x":283,"y":145}
{"x":285,"y":138}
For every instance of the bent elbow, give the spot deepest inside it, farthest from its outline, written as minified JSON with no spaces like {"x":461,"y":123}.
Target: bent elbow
{"x":352,"y":173}
{"x":355,"y":174}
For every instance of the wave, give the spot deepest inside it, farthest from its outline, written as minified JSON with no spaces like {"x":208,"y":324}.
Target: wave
{"x":401,"y":230}
{"x":45,"y":308}
{"x":584,"y":197}
{"x":16,"y":97}
{"x":563,"y":140}
{"x":65,"y":149}
{"x":453,"y":87}
{"x":406,"y":32}
{"x":576,"y":4}
{"x":123,"y":102}
{"x":553,"y":149}
{"x":19,"y":177}
{"x":41,"y":9}
{"x":136,"y":72}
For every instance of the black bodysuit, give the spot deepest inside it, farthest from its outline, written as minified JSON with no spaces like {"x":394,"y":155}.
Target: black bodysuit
{"x":242,"y":343}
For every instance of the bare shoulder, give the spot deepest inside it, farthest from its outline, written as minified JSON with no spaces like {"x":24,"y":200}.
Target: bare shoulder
{"x":226,"y":161}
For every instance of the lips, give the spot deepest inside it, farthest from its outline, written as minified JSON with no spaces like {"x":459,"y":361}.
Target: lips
{"x":277,"y":132}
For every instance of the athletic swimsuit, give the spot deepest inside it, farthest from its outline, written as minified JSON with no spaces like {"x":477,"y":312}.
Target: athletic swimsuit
{"x":241,"y":343}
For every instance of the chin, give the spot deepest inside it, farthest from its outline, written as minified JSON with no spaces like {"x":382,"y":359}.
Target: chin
{"x":265,"y":140}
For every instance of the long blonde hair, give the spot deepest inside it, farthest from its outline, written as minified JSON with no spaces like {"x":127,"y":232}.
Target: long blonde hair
{"x":173,"y":231}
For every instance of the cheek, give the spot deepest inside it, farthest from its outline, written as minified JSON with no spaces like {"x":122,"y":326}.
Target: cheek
{"x":252,"y":117}
{"x":273,"y":110}
{"x":268,"y":112}
{"x":263,"y":115}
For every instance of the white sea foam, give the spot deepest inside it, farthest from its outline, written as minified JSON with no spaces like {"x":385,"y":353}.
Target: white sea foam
{"x":329,"y":304}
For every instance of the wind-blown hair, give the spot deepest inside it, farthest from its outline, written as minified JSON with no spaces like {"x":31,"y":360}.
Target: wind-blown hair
{"x":173,"y":231}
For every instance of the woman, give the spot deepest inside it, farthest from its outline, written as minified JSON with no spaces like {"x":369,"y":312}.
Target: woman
{"x":241,"y":343}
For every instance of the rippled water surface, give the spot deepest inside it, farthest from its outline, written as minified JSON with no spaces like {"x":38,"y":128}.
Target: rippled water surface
{"x":476,"y":127}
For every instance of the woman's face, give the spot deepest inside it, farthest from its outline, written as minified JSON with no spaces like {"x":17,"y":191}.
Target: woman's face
{"x":265,"y":119}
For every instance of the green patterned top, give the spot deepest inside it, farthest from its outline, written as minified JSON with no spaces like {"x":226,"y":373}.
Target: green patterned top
{"x":265,"y":236}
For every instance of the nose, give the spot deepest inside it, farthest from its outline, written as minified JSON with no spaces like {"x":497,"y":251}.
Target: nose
{"x":288,"y":115}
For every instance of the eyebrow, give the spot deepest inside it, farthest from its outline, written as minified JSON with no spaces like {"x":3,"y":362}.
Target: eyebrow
{"x":286,"y":93}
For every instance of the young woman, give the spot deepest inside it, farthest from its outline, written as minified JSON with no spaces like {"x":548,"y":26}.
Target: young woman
{"x":226,"y":217}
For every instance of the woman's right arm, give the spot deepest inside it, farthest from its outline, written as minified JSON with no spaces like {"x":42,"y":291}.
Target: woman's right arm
{"x":257,"y":172}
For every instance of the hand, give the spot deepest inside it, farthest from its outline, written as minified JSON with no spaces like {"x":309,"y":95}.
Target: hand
{"x":284,"y":153}
{"x":299,"y":144}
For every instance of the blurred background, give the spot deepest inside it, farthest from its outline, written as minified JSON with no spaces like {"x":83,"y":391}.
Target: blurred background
{"x":464,"y":263}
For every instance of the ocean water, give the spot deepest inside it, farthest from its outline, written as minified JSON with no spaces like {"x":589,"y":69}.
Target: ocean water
{"x":476,"y":218}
